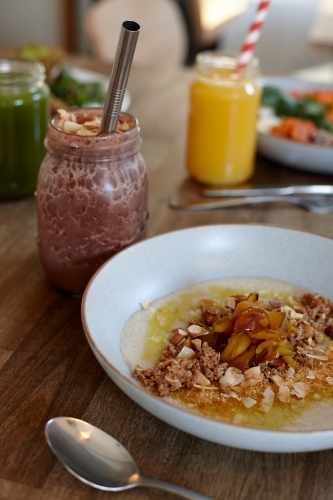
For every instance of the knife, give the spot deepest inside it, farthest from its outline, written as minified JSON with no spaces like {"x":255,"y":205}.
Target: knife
{"x":268,"y":190}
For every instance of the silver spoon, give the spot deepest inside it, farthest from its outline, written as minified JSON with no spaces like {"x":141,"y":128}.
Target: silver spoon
{"x":99,"y":460}
{"x":321,"y":205}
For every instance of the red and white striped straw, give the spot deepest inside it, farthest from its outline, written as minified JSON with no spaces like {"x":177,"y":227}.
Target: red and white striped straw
{"x":253,"y":35}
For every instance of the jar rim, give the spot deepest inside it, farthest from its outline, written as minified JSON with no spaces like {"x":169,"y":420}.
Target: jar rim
{"x":18,"y":71}
{"x":98,"y":146}
{"x":211,"y":62}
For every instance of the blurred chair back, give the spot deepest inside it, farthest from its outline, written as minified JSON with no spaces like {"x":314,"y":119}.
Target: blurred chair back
{"x":163,"y":36}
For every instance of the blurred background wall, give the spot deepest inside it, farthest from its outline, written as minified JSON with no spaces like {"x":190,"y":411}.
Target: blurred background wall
{"x":282,"y":48}
{"x":30,"y":21}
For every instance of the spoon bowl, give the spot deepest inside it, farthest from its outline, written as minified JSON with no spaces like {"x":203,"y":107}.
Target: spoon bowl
{"x":97,"y":459}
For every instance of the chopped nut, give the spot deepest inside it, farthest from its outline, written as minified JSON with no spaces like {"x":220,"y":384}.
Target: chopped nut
{"x":311,"y":374}
{"x":186,"y":353}
{"x":268,"y":400}
{"x":253,"y":373}
{"x":295,"y":315}
{"x":231,"y":302}
{"x":196,"y":331}
{"x":232,"y":377}
{"x":71,"y":128}
{"x":145,"y":304}
{"x":240,"y":419}
{"x":290,"y":372}
{"x":86,"y":132}
{"x":200,"y":379}
{"x":300,"y":389}
{"x":196,"y":343}
{"x":284,"y":394}
{"x":179,"y":336}
{"x":248,"y":402}
{"x":278,"y":380}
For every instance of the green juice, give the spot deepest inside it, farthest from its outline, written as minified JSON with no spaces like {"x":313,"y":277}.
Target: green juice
{"x":24,"y":115}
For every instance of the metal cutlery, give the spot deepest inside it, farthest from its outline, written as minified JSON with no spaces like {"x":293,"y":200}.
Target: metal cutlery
{"x":268,"y":190}
{"x":97,"y":459}
{"x":322,"y":205}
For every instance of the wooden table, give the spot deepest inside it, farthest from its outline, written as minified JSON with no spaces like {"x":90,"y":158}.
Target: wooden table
{"x":47,"y":368}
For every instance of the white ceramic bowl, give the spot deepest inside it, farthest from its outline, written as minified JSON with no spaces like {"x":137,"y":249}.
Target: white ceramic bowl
{"x":309,"y":157}
{"x":161,"y":265}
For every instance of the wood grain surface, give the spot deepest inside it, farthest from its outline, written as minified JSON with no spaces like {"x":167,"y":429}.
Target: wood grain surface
{"x":48,"y":370}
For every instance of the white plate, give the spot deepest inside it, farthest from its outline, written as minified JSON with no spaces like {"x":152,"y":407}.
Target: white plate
{"x":161,"y":265}
{"x":317,"y":159}
{"x":83,"y":75}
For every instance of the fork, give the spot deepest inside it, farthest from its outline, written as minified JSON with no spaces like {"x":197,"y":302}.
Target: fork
{"x":322,"y":205}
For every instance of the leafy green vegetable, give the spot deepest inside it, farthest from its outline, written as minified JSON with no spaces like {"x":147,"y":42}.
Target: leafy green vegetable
{"x":270,"y":96}
{"x":306,"y":108}
{"x":75,"y":93}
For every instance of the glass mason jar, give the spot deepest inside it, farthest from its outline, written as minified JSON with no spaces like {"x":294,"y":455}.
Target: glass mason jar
{"x":91,"y":200}
{"x":221,"y":137}
{"x":24,"y":115}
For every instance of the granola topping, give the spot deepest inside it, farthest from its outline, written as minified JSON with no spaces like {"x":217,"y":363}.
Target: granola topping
{"x":245,"y":353}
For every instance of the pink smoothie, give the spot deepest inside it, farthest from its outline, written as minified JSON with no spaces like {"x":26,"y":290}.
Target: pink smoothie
{"x":91,"y":200}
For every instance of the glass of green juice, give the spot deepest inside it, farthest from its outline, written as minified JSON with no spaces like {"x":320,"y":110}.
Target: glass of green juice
{"x":24,"y":116}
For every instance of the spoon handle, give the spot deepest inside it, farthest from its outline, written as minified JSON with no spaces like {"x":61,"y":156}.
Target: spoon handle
{"x":213,"y":204}
{"x":173,"y":488}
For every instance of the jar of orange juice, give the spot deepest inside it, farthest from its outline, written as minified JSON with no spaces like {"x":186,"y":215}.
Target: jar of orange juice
{"x":222,"y":119}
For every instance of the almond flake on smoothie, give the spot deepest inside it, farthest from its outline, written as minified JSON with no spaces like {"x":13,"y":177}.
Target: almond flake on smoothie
{"x":87,"y":125}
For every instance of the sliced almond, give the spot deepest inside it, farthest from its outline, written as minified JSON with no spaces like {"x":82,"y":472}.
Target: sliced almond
{"x":240,"y":419}
{"x":86,"y":132}
{"x":253,"y":373}
{"x":186,"y":353}
{"x":284,"y":394}
{"x":268,"y":400}
{"x":248,"y":402}
{"x":178,"y":336}
{"x":196,"y":343}
{"x":71,"y":127}
{"x":278,"y":380}
{"x":231,"y":394}
{"x":145,"y":305}
{"x":300,"y":389}
{"x":232,"y":377}
{"x":231,"y":302}
{"x":196,"y":331}
{"x":200,"y":379}
{"x":311,"y":374}
{"x":290,"y":372}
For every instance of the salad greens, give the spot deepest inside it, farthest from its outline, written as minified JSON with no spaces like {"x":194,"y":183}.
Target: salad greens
{"x":75,"y":93}
{"x":306,"y":108}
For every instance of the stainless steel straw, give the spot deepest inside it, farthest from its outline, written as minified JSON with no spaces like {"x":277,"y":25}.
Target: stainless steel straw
{"x":120,"y":71}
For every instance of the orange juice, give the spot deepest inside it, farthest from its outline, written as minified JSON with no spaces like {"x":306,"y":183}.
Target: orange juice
{"x":222,"y":121}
